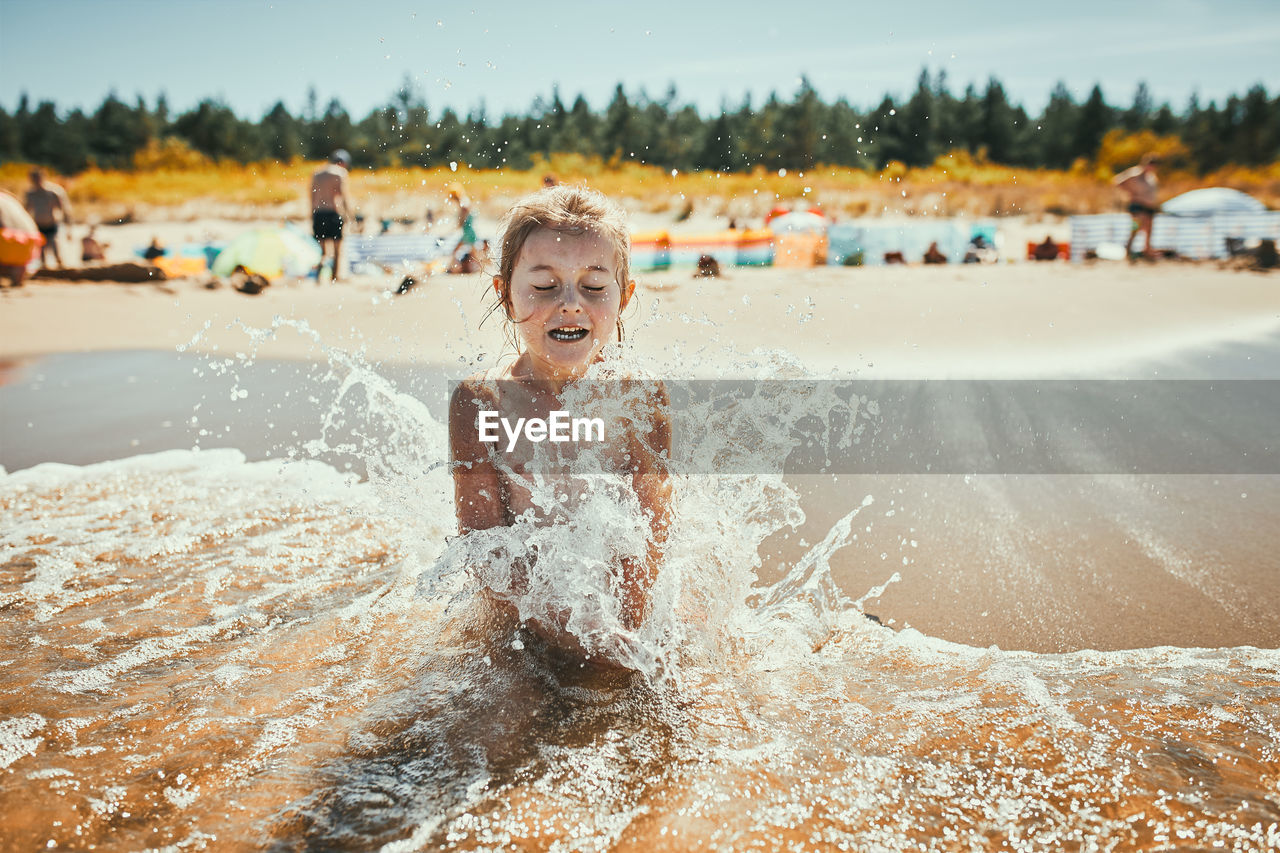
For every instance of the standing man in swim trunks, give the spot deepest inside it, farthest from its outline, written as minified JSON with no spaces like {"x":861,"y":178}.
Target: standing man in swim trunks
{"x":44,"y":200}
{"x":1139,"y":184}
{"x":330,"y":206}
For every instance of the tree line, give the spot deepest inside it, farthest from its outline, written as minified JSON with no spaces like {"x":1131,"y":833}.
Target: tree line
{"x":798,"y":133}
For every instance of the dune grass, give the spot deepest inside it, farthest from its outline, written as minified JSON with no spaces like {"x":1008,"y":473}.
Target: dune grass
{"x":184,"y":185}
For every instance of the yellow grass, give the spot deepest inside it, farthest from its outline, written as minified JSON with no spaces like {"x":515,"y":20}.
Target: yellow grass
{"x":173,"y":182}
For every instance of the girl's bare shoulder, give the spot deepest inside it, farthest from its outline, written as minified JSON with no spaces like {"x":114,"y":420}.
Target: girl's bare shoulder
{"x":479,"y":389}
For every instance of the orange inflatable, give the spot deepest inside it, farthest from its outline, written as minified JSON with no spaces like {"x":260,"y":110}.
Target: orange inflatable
{"x":19,"y":248}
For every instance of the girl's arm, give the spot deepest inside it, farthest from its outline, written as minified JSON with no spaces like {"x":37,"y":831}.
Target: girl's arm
{"x":650,"y":453}
{"x":477,"y":489}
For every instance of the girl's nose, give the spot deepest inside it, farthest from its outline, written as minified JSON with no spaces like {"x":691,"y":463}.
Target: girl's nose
{"x":571,"y":301}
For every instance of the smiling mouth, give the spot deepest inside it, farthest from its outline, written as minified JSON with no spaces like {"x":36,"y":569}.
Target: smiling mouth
{"x":568,"y":334}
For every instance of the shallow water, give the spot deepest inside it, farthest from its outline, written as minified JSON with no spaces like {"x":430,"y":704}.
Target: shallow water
{"x":200,"y":650}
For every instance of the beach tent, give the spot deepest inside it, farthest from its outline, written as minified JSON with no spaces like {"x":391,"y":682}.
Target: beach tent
{"x":270,"y":252}
{"x":650,"y":250}
{"x":755,"y":247}
{"x":800,"y":239}
{"x":871,"y":239}
{"x":1197,"y":224}
{"x":721,"y":245}
{"x":799,"y":248}
{"x":731,"y":247}
{"x":802,"y":221}
{"x":1212,"y":200}
{"x":398,"y":250}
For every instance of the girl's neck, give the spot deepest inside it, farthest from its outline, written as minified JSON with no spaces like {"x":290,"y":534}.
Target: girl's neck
{"x":529,"y":369}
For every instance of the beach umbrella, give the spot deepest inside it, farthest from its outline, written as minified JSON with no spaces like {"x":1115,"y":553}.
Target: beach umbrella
{"x":14,"y":215}
{"x":776,"y":211}
{"x":1212,"y":200}
{"x":802,"y":221}
{"x":269,"y":252}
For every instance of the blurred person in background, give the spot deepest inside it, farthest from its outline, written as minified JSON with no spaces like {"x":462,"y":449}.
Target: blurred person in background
{"x":1141,"y":188}
{"x":330,"y":207}
{"x":45,"y":202}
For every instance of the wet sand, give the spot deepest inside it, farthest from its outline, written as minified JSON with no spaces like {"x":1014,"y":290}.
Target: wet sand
{"x":1046,"y":563}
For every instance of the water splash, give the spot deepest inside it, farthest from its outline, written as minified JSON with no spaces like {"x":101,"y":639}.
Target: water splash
{"x":202,"y":651}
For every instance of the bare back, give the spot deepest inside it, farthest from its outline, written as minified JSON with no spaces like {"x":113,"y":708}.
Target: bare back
{"x":329,"y":189}
{"x":44,"y":202}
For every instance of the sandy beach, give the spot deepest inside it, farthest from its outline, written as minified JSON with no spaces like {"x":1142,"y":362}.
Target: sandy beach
{"x":990,"y":321}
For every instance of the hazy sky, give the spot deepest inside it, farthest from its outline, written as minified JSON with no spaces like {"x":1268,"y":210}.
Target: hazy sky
{"x":251,"y":53}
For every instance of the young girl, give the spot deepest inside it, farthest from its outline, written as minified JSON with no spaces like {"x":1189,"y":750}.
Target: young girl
{"x":562,"y":284}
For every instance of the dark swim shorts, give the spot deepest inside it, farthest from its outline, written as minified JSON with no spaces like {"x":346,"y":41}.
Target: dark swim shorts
{"x":1136,"y":209}
{"x":49,"y":231}
{"x":326,"y":225}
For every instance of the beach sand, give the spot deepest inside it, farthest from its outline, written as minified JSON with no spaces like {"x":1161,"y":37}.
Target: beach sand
{"x":1048,"y":563}
{"x":1007,"y":320}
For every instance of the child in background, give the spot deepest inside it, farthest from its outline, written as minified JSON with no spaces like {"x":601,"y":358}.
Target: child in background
{"x":90,"y":248}
{"x":562,"y":283}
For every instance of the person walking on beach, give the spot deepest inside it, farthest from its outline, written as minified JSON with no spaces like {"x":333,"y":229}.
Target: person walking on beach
{"x":45,"y":200}
{"x":464,"y":250}
{"x":1141,"y":187}
{"x":330,"y":207}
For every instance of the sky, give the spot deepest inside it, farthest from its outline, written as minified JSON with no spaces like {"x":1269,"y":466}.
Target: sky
{"x":251,"y":53}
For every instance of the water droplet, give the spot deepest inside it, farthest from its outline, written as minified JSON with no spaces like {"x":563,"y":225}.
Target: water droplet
{"x":453,"y":165}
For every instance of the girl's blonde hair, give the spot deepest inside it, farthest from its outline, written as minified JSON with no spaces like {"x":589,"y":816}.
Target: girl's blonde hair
{"x":567,"y":210}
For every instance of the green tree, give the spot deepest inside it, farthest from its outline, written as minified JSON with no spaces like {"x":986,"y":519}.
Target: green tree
{"x":916,"y":134}
{"x":1056,"y":128}
{"x":620,"y":130}
{"x":1096,"y":118}
{"x":1255,"y":140}
{"x":802,"y":120}
{"x":717,"y":146}
{"x":214,"y":130}
{"x":282,"y":134}
{"x":10,"y":139}
{"x":999,"y":124}
{"x":51,"y":141}
{"x":1138,"y":116}
{"x":118,"y":132}
{"x":841,"y":128}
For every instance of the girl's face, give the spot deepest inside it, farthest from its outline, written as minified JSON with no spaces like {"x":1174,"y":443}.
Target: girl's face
{"x":565,"y":299}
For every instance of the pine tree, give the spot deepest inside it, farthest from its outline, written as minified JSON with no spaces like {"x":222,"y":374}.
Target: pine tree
{"x":998,"y":123}
{"x":1096,"y":118}
{"x":282,"y":134}
{"x":917,"y":125}
{"x":1138,"y":116}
